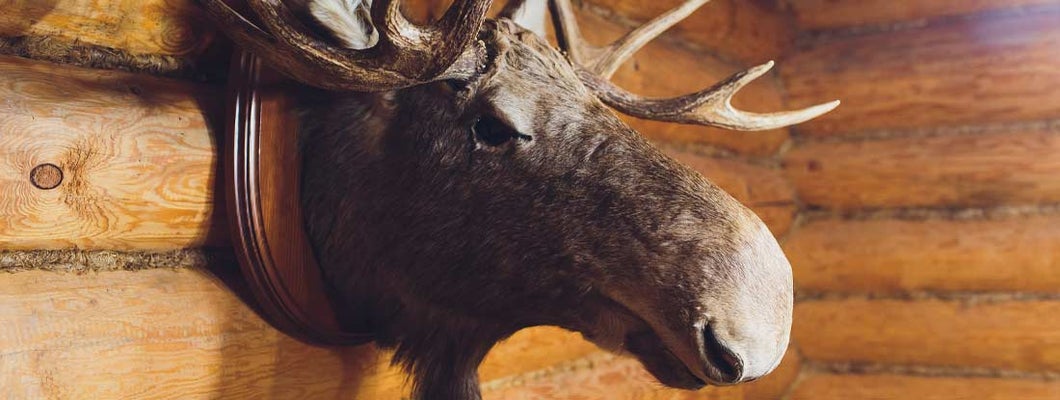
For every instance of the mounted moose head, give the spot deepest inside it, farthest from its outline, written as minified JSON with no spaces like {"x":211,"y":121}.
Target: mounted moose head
{"x":464,"y":180}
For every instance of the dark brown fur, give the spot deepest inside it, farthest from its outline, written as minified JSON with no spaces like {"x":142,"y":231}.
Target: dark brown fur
{"x":446,"y":245}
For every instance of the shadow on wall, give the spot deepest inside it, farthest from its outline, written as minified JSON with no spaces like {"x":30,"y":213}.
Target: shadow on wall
{"x":256,"y":361}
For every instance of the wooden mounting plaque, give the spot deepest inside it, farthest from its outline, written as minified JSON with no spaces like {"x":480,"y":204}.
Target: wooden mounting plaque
{"x":262,"y":181}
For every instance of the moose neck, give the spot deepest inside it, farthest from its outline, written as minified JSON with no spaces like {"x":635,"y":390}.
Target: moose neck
{"x":348,"y":197}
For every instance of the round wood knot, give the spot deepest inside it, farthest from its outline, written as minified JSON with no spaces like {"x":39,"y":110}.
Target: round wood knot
{"x":46,"y":176}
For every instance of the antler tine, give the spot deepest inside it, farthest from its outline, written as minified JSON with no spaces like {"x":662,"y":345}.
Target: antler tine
{"x":454,"y":37}
{"x":712,"y":106}
{"x":604,"y":61}
{"x":395,"y":28}
{"x":622,"y":49}
{"x":406,"y":55}
{"x":569,"y":35}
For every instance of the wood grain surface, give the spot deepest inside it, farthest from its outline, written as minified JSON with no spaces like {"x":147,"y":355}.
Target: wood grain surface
{"x":991,"y":70}
{"x":833,"y":14}
{"x":137,"y":155}
{"x":161,"y":27}
{"x":980,"y":170}
{"x":886,"y":386}
{"x":1015,"y":335}
{"x":1018,"y":253}
{"x":183,"y":333}
{"x":750,"y":32}
{"x":162,"y":334}
{"x":600,"y":377}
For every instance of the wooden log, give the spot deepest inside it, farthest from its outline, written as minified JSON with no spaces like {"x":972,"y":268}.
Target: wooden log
{"x":661,"y":69}
{"x":831,"y":14}
{"x":184,"y":334}
{"x":533,"y":349}
{"x":166,"y":27}
{"x":1018,"y":253}
{"x":137,"y":157}
{"x":598,"y":377}
{"x":164,"y":334}
{"x":981,"y":170}
{"x":1010,"y":335}
{"x":158,"y":36}
{"x":747,"y":31}
{"x":605,"y":376}
{"x":969,"y":72}
{"x":887,"y":386}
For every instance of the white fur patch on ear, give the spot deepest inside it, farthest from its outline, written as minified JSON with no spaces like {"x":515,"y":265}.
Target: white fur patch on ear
{"x":532,"y":16}
{"x":349,"y":20}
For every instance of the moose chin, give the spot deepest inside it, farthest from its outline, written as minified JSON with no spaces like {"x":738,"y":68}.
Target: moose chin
{"x":464,"y":180}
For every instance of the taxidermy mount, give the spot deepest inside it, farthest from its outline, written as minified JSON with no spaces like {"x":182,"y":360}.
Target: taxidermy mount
{"x":464,"y":180}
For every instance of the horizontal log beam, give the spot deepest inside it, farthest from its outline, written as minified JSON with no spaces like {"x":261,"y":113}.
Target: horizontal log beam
{"x":980,"y":170}
{"x":831,"y":14}
{"x":1009,"y":335}
{"x":884,"y":386}
{"x":164,"y":333}
{"x":968,"y":72}
{"x":184,"y":334}
{"x":138,"y":156}
{"x":158,"y":36}
{"x":1018,"y":253}
{"x":602,"y":376}
{"x":746,"y":31}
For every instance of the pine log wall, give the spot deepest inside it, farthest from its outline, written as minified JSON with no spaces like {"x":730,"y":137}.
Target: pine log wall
{"x":922,"y":218}
{"x":927,"y":253}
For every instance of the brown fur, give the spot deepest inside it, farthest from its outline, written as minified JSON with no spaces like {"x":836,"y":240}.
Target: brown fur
{"x":446,"y":244}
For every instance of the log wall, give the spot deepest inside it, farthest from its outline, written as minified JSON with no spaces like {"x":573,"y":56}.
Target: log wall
{"x":926,"y":263}
{"x":922,"y":217}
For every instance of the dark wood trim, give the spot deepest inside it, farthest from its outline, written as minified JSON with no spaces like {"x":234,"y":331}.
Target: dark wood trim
{"x":262,"y":172}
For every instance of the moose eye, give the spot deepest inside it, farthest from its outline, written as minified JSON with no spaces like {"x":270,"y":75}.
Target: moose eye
{"x":455,"y":85}
{"x":492,"y":132}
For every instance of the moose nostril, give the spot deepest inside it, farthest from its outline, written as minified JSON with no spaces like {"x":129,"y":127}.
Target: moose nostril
{"x":720,"y":357}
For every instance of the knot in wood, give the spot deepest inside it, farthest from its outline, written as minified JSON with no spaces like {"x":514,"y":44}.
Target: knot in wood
{"x":46,"y":176}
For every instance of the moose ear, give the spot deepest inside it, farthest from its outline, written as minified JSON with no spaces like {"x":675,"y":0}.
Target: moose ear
{"x":529,"y":14}
{"x":349,"y":21}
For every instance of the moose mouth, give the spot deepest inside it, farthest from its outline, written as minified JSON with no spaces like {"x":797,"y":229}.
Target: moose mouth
{"x":722,"y":367}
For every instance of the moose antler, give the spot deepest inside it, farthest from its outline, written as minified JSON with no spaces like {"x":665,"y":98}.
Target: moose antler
{"x":407,"y":54}
{"x":711,"y":106}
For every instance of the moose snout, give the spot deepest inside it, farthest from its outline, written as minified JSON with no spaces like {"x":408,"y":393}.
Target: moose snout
{"x":724,"y":366}
{"x":747,"y":333}
{"x":728,"y":362}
